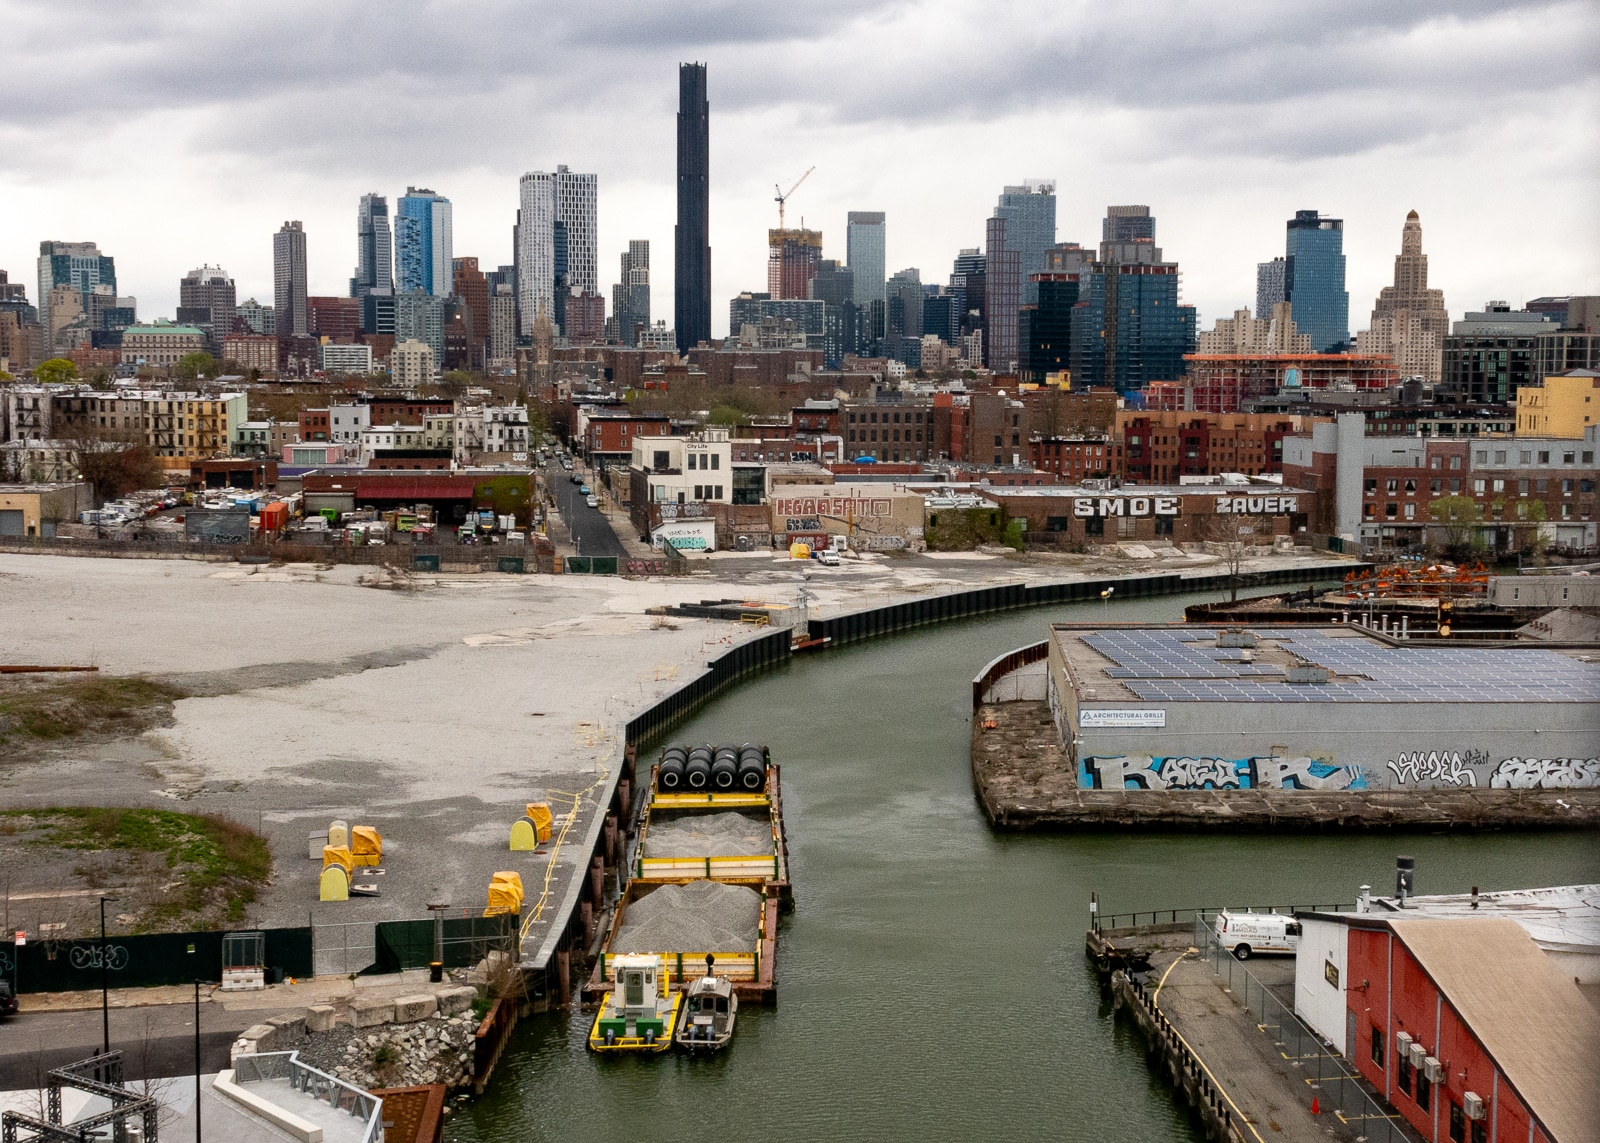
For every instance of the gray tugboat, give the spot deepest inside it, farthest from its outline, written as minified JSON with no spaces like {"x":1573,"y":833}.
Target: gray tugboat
{"x":709,"y":1010}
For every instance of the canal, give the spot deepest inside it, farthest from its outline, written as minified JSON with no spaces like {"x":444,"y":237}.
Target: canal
{"x":932,"y":979}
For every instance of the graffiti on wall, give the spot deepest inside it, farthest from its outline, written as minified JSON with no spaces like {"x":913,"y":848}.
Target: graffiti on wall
{"x":1546,"y":774}
{"x":1446,"y":767}
{"x":1271,"y":772}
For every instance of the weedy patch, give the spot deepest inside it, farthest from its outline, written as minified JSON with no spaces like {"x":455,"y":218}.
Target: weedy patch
{"x":88,"y":704}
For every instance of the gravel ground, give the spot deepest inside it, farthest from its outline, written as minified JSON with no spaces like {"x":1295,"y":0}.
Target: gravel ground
{"x":710,"y":835}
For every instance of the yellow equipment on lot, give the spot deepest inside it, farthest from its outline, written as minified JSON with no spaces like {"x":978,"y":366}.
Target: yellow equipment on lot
{"x":366,"y":846}
{"x":337,"y":869}
{"x":338,"y":833}
{"x":334,"y":884}
{"x":529,"y":832}
{"x":505,"y":893}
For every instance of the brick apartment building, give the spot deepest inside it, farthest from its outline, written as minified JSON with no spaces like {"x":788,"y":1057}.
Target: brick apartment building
{"x":1160,"y":447}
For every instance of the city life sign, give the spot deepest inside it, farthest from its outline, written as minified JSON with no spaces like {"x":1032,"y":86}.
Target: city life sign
{"x":1125,"y":506}
{"x":1258,"y":505}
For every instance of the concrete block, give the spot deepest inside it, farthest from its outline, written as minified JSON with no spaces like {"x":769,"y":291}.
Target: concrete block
{"x":265,"y":1036}
{"x":456,"y":999}
{"x":320,"y":1018}
{"x":408,"y":1009}
{"x":291,"y":1027}
{"x":367,"y":1011}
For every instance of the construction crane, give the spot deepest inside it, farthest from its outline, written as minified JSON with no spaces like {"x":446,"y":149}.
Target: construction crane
{"x":783,"y":196}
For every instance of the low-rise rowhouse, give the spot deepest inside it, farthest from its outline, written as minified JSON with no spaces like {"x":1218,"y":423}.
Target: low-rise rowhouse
{"x":1179,"y":513}
{"x":36,"y":509}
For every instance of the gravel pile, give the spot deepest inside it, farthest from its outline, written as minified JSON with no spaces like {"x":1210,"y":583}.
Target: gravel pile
{"x":702,"y":916}
{"x":709,"y":835}
{"x":439,"y":1049}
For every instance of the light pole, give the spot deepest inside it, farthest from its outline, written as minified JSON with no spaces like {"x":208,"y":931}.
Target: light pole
{"x":1105,"y":601}
{"x":197,"y":1060}
{"x":105,"y":981}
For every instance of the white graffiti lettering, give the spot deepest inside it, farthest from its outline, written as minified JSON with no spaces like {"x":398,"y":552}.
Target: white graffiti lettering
{"x":1546,"y":774}
{"x":1277,"y":773}
{"x":1084,"y":506}
{"x":1196,"y":773}
{"x":1143,"y":772}
{"x":1448,"y":766}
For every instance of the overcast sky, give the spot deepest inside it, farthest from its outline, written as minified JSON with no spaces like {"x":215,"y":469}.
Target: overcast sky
{"x":175,"y":134}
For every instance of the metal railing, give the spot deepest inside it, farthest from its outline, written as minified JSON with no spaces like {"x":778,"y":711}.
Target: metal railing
{"x":318,"y":1084}
{"x":1099,"y":922}
{"x":1340,"y":1090}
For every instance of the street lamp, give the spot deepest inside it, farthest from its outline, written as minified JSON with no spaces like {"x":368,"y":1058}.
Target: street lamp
{"x":1105,"y":600}
{"x":105,"y":981}
{"x":196,"y":1059}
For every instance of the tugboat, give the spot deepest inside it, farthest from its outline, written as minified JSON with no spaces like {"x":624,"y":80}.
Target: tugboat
{"x":709,"y":1013}
{"x":639,"y":1013}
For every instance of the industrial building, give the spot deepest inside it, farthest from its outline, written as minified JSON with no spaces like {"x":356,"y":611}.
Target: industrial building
{"x":1329,"y":708}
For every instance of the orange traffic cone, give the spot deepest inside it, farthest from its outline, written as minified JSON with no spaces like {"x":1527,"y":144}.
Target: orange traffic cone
{"x":1316,"y":1108}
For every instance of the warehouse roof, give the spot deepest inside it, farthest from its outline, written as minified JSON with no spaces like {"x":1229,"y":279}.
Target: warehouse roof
{"x":1525,"y":1011}
{"x":1185,"y":664}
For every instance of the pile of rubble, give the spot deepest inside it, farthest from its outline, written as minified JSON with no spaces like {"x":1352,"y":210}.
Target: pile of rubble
{"x":428,"y":1037}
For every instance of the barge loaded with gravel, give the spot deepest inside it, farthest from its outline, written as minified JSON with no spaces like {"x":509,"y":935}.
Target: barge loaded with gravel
{"x":709,"y":873}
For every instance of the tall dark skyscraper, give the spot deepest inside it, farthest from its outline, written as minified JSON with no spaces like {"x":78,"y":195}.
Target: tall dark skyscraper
{"x":289,"y":279}
{"x":692,"y":235}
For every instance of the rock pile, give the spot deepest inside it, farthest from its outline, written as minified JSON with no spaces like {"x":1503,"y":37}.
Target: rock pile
{"x":436,"y":1050}
{"x":710,"y":835}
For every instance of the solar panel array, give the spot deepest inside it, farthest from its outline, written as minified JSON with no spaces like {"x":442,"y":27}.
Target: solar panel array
{"x":1166,"y":666}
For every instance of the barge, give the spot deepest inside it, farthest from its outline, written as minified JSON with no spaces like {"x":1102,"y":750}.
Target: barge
{"x":708,"y":876}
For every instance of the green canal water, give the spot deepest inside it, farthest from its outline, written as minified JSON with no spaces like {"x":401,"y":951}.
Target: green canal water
{"x":932,"y":978}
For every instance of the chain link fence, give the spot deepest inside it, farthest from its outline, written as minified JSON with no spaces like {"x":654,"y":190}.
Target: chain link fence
{"x":1341,"y":1092}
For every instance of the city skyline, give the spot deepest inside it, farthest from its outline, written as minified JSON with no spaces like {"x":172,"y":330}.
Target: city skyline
{"x":1222,"y":168}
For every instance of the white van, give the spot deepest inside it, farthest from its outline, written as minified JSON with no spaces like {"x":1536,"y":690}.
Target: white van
{"x":1245,"y":934}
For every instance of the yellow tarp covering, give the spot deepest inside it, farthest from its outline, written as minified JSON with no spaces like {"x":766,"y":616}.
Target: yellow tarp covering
{"x":541,"y":817}
{"x":522,"y":835}
{"x":799,"y":551}
{"x":339,"y":855}
{"x":366,"y":846}
{"x":505,"y":893}
{"x":335,"y":883}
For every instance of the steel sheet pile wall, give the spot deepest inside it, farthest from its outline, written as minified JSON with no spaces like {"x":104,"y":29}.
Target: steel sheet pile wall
{"x":725,"y":670}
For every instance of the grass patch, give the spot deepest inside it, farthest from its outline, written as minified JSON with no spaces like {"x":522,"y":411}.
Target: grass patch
{"x":218,"y":864}
{"x":90,"y":704}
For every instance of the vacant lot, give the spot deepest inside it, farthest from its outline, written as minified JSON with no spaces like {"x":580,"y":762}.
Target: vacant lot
{"x":36,"y":709}
{"x":168,"y":872}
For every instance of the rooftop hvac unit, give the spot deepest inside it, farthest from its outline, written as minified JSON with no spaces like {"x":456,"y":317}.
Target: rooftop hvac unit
{"x":1472,"y":1104}
{"x":1433,"y":1069}
{"x":1418,"y":1053}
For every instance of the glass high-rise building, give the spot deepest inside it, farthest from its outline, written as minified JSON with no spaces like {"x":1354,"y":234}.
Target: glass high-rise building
{"x":1128,"y":328}
{"x":864,"y":252}
{"x":1045,"y":329}
{"x":374,"y":247}
{"x":1019,"y":232}
{"x":557,"y":241}
{"x":422,"y":242}
{"x":692,"y":236}
{"x":1314,"y":280}
{"x":76,"y":264}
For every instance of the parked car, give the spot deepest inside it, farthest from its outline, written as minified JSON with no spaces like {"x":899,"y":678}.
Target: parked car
{"x":828,"y":558}
{"x":594,"y":502}
{"x":8,"y":999}
{"x":583,"y":490}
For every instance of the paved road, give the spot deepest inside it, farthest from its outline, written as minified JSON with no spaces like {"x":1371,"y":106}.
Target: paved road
{"x":591,"y":531}
{"x":155,"y":1041}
